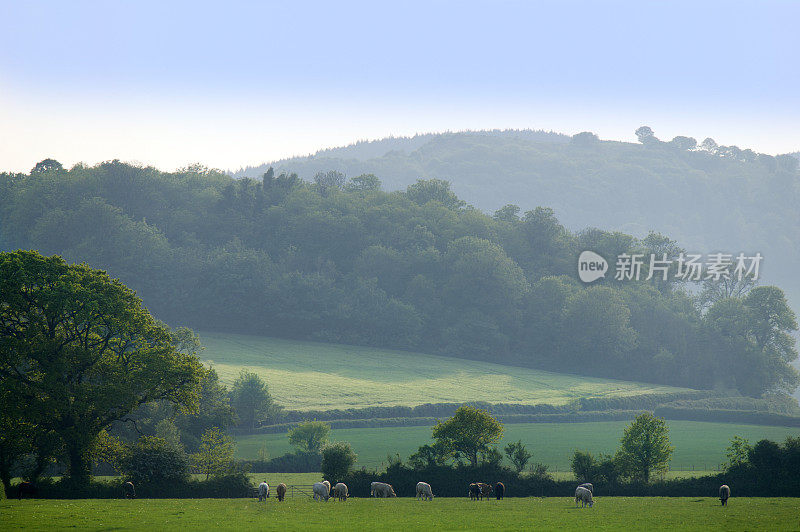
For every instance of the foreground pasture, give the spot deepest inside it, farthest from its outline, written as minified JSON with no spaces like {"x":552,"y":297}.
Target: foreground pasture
{"x":609,"y":513}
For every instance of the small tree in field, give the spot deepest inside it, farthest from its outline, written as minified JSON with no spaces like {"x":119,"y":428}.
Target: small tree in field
{"x":645,"y":447}
{"x":738,"y":452}
{"x":251,"y":399}
{"x":215,"y":456}
{"x":469,"y":432}
{"x":518,"y":454}
{"x":337,"y":460}
{"x":583,"y":466}
{"x":310,"y":436}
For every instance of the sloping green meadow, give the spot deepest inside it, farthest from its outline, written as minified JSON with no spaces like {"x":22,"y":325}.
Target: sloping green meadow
{"x":556,"y":513}
{"x":317,"y":376}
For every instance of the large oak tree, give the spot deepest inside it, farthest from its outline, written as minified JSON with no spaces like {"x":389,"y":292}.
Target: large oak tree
{"x":80,"y":347}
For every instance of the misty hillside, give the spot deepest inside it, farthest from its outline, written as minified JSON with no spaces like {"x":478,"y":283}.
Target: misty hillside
{"x":718,"y":198}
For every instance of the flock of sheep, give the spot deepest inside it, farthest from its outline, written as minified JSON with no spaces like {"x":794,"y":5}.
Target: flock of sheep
{"x":477,"y":491}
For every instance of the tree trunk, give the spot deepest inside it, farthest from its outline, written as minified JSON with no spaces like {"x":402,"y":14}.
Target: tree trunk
{"x":79,"y":464}
{"x":5,"y":474}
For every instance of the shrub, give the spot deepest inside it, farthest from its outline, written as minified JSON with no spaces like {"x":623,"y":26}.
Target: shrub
{"x":337,"y":460}
{"x":154,"y":460}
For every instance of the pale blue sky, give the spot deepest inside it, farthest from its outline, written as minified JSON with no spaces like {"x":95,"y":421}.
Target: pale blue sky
{"x":234,"y":83}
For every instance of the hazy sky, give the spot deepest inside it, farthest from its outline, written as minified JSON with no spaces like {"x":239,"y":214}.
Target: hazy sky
{"x":229,"y":84}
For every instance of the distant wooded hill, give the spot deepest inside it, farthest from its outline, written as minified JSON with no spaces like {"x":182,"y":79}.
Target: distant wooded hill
{"x":709,"y":198}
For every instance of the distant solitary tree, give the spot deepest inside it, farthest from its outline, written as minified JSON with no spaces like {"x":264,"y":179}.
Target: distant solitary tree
{"x":583,"y":466}
{"x":337,"y":460}
{"x":310,"y":436}
{"x":645,"y":447}
{"x":251,"y":399}
{"x":215,"y":456}
{"x":738,"y":452}
{"x":469,"y":432}
{"x":518,"y":455}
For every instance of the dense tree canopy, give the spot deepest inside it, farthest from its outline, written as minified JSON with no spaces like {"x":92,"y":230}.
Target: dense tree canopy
{"x":80,"y":351}
{"x":344,"y":261}
{"x":645,"y":448}
{"x":468,"y":434}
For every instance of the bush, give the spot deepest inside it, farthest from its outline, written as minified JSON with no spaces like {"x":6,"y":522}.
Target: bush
{"x":152,"y":460}
{"x":337,"y":460}
{"x":298,"y":462}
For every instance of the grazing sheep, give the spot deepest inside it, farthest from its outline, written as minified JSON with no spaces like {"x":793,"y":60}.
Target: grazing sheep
{"x":128,"y":490}
{"x":499,"y":490}
{"x":381,"y":489}
{"x":281,"y":490}
{"x":263,"y":491}
{"x":340,"y":491}
{"x":724,"y":494}
{"x":322,"y":491}
{"x":474,"y":491}
{"x":27,"y":489}
{"x":588,"y":486}
{"x":486,"y":489}
{"x":584,"y":496}
{"x":424,"y":491}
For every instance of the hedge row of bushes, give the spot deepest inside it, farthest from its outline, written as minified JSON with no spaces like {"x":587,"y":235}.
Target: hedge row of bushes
{"x":453,"y":482}
{"x":776,"y":405}
{"x":641,"y":402}
{"x":230,"y":486}
{"x":288,"y":463}
{"x":566,"y":417}
{"x":434,"y":410}
{"x":728,"y":416}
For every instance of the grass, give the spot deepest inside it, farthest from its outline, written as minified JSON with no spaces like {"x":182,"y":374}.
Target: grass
{"x":698,"y":444}
{"x":301,"y":513}
{"x":317,"y":376}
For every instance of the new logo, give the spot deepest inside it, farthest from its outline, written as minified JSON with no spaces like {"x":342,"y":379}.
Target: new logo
{"x":591,"y":266}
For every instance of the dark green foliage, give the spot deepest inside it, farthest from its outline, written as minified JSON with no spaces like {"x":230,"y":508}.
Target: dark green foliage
{"x":338,"y":459}
{"x":297,"y":462}
{"x":518,"y":455}
{"x":350,"y":263}
{"x":252,"y":402}
{"x":469,"y":435}
{"x":80,"y":351}
{"x":153,"y":460}
{"x":645,"y":448}
{"x":310,"y":436}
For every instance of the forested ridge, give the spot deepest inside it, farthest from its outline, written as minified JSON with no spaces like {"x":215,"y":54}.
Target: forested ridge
{"x":342,"y":260}
{"x":709,"y":197}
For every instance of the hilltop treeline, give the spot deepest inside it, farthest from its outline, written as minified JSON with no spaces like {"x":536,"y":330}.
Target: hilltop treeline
{"x":344,"y":261}
{"x":708,"y":196}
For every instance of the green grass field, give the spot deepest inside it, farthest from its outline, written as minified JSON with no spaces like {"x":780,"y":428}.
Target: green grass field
{"x":556,"y":513}
{"x":697,"y":444}
{"x":316,"y":376}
